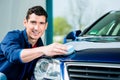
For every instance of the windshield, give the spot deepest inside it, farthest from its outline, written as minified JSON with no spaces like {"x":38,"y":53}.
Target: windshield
{"x":108,"y":26}
{"x":105,"y":30}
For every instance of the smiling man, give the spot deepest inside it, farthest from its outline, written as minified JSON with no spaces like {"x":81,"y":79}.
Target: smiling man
{"x":20,"y":50}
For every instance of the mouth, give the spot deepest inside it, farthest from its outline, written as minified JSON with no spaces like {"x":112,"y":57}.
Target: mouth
{"x":35,"y":33}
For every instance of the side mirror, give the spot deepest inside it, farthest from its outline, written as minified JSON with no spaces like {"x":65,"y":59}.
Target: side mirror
{"x":72,"y":36}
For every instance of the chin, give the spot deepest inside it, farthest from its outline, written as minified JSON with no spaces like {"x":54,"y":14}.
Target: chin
{"x":35,"y":37}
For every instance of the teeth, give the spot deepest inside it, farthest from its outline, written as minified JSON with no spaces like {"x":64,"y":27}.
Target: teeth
{"x":35,"y":32}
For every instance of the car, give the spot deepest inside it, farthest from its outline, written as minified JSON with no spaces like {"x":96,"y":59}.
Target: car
{"x":96,"y":55}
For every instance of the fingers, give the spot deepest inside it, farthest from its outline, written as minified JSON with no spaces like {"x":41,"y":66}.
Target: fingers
{"x":58,"y":49}
{"x":60,"y":46}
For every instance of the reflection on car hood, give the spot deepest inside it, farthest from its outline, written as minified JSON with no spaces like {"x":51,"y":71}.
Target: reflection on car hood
{"x":91,"y":45}
{"x":94,"y":52}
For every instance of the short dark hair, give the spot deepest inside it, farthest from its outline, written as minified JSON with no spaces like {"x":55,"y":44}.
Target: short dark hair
{"x":38,"y":10}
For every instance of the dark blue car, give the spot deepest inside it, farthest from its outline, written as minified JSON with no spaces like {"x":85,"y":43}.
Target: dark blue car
{"x":96,"y":55}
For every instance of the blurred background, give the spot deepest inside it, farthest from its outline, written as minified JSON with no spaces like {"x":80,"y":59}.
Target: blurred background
{"x":78,"y":14}
{"x":64,"y":15}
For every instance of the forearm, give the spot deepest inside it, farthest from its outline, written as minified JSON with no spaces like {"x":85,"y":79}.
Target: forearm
{"x":28,"y":55}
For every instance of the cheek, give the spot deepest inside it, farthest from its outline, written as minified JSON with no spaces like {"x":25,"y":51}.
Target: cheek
{"x":29,"y":27}
{"x":42,"y":29}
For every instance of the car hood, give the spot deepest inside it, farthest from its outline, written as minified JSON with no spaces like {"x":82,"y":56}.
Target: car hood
{"x":94,"y":52}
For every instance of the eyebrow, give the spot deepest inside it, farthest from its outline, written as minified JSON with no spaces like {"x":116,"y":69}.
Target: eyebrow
{"x":33,"y":21}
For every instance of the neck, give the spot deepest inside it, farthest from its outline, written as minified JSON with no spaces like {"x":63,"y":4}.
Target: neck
{"x":32,"y":41}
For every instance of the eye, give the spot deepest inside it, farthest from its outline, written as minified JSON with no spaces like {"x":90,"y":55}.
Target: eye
{"x":42,"y":23}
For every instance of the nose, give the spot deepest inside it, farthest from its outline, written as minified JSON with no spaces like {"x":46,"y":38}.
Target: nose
{"x":36,"y":27}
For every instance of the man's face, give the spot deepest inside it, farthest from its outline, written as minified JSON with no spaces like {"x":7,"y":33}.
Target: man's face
{"x":35,"y":26}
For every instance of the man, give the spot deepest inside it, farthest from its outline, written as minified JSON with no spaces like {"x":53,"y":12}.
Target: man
{"x":20,"y":50}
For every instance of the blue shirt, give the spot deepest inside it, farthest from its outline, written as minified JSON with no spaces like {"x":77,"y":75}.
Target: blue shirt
{"x":10,"y":62}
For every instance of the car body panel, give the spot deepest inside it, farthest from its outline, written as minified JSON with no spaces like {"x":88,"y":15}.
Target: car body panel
{"x":110,"y":55}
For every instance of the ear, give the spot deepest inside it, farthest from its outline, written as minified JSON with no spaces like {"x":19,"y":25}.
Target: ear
{"x":25,"y":22}
{"x":46,"y":25}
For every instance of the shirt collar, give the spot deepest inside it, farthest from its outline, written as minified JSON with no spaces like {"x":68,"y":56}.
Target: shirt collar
{"x":39,"y":42}
{"x":26,"y":38}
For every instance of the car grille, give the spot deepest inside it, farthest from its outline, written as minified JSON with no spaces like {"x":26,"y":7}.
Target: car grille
{"x":92,"y":71}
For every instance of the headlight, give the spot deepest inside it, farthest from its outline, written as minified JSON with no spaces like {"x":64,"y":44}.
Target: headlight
{"x":48,"y":69}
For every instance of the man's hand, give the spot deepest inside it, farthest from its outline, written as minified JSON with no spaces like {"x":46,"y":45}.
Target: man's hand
{"x":55,"y":49}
